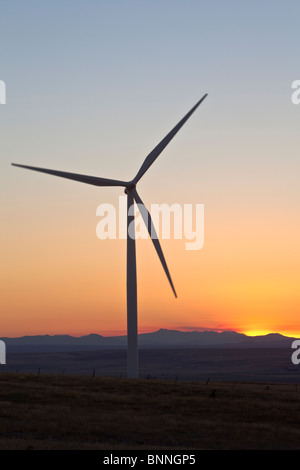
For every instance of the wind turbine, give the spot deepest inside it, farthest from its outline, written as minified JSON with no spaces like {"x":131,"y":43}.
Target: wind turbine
{"x":132,"y":196}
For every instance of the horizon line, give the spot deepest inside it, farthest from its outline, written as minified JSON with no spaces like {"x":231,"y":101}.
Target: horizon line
{"x":192,"y":330}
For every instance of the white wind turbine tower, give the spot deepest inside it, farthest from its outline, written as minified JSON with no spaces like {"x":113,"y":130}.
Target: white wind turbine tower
{"x":132,"y":196}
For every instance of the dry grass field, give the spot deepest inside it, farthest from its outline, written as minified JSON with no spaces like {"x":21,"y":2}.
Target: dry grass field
{"x":78,"y":412}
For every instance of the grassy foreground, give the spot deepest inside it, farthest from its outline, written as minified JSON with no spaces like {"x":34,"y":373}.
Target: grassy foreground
{"x":80,"y":412}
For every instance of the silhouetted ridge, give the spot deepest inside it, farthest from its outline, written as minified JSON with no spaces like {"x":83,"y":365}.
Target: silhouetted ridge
{"x":163,"y":338}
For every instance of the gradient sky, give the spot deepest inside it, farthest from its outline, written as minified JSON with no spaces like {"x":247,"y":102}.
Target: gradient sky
{"x":92,"y":87}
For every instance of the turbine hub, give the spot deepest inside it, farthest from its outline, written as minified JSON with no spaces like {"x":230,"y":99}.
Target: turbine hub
{"x":129,"y":186}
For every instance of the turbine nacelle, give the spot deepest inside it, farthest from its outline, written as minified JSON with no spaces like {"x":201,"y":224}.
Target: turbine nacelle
{"x":129,"y":186}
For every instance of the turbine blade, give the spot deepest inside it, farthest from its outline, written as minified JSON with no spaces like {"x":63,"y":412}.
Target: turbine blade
{"x":94,"y":180}
{"x":160,"y":147}
{"x":152,"y":232}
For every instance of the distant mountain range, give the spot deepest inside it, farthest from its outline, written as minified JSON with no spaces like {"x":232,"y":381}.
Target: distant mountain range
{"x":162,"y":338}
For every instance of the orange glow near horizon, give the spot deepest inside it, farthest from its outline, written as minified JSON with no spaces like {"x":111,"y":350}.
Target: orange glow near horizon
{"x":59,"y":280}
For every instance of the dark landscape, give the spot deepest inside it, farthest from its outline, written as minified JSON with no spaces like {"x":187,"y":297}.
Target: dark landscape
{"x":65,"y":412}
{"x":199,"y":391}
{"x":165,"y":354}
{"x":259,"y":365}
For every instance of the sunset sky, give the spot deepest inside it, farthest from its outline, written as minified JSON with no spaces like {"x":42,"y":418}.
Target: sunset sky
{"x":92,"y":87}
